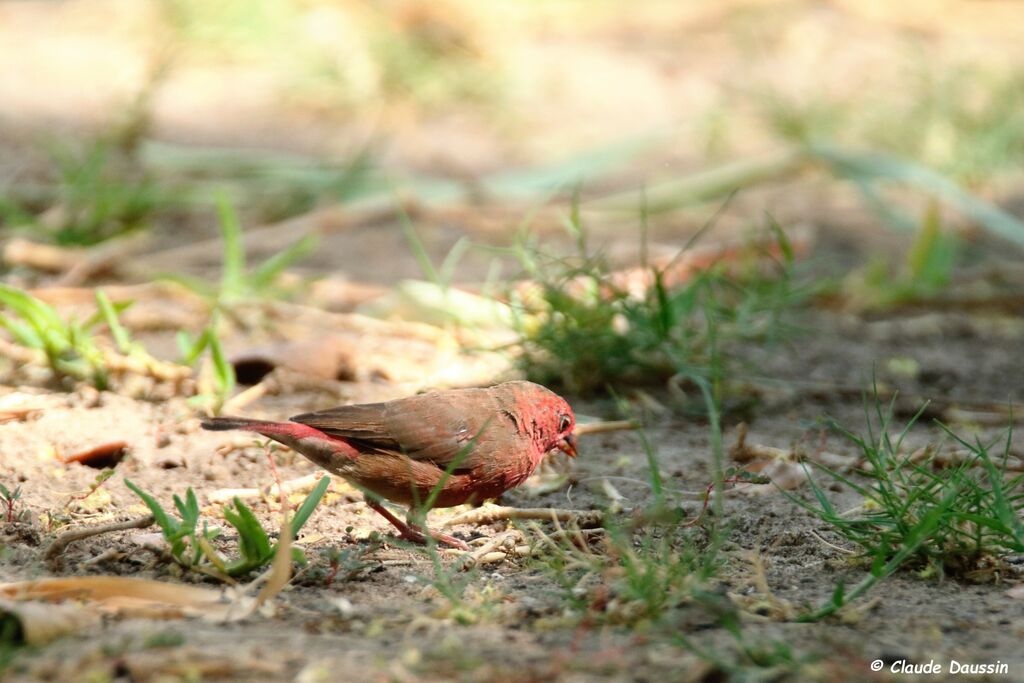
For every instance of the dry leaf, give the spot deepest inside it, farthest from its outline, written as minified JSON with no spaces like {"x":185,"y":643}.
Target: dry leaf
{"x":281,"y":567}
{"x":127,"y":596}
{"x":102,"y":456}
{"x":326,"y":357}
{"x":40,"y":622}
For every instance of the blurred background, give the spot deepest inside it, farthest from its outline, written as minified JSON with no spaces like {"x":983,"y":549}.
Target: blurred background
{"x":707,"y":216}
{"x":296,"y":104}
{"x":360,"y":144}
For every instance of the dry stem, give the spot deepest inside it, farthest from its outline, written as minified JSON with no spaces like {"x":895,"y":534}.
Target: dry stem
{"x":68,"y":537}
{"x":489,"y":514}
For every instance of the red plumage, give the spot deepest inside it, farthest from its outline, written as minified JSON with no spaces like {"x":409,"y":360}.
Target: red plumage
{"x":460,"y":445}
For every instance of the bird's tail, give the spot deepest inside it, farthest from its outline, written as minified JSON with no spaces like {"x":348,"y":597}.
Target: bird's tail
{"x":221,"y":424}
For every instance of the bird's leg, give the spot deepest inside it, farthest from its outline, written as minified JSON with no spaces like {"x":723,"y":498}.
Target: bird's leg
{"x":412,"y":532}
{"x":450,"y":541}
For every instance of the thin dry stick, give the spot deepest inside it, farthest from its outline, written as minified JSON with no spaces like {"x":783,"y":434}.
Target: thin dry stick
{"x":10,"y":414}
{"x":277,"y":477}
{"x":45,"y":257}
{"x":253,"y":393}
{"x":616,"y":499}
{"x":290,"y":486}
{"x":21,"y":354}
{"x":492,"y":513}
{"x":115,"y":362}
{"x":576,"y":557}
{"x":108,"y":554}
{"x":68,"y":537}
{"x":602,"y":427}
{"x":146,"y":366}
{"x":845,"y":551}
{"x":744,"y":452}
{"x":77,"y":264}
{"x":493,"y":558}
{"x":113,"y":256}
{"x":707,"y":497}
{"x":574,"y":536}
{"x":685,"y":495}
{"x":506,"y":540}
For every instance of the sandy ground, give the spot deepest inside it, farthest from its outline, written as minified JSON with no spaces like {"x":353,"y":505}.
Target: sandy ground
{"x":387,"y":622}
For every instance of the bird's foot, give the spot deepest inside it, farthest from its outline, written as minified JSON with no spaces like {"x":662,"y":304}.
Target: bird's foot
{"x":413,"y":532}
{"x":417,"y":535}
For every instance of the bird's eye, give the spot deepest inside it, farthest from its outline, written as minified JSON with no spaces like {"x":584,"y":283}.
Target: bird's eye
{"x":564,"y":422}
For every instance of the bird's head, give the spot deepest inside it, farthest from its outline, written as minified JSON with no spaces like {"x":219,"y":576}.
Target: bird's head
{"x":550,"y":418}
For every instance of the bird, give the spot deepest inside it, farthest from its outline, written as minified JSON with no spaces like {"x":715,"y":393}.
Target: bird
{"x":436,"y":449}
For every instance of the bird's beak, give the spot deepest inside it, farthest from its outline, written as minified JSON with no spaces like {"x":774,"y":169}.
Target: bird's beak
{"x":567,"y":444}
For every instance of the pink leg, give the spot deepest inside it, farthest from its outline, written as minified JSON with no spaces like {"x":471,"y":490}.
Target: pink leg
{"x":411,"y":532}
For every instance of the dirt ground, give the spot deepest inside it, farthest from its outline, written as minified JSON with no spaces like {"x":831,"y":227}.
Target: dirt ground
{"x":387,"y":621}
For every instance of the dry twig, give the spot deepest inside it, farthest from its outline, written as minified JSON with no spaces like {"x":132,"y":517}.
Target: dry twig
{"x":501,"y":544}
{"x":253,"y":393}
{"x":69,"y":537}
{"x":489,"y":514}
{"x":11,"y":414}
{"x":602,"y":427}
{"x":145,"y":366}
{"x":301,"y":484}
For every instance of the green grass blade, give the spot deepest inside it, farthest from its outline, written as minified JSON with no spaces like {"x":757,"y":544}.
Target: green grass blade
{"x":191,"y":350}
{"x":653,"y":468}
{"x":232,"y":283}
{"x":309,"y":505}
{"x":884,"y":167}
{"x":419,"y":251}
{"x":223,"y":370}
{"x":253,"y":541}
{"x":22,"y":332}
{"x":447,"y":270}
{"x":37,"y":313}
{"x":707,"y":185}
{"x":120,"y":334}
{"x":193,"y":284}
{"x":96,"y":318}
{"x":588,"y":165}
{"x":268,"y":271}
{"x":911,"y":543}
{"x":188,"y":510}
{"x":168,"y":525}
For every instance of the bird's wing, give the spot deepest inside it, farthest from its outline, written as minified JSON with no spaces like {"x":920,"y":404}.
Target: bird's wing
{"x":364,"y":425}
{"x":442,"y":427}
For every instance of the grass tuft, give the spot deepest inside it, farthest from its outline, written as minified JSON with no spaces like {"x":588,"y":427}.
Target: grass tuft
{"x":99,"y":192}
{"x":924,"y":273}
{"x":585,"y":328}
{"x":961,"y":520}
{"x":238,"y":282}
{"x":192,"y":548}
{"x":10,"y":498}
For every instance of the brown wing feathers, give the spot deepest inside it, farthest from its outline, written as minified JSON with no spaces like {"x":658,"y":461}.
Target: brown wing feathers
{"x":364,"y":424}
{"x":430,"y":427}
